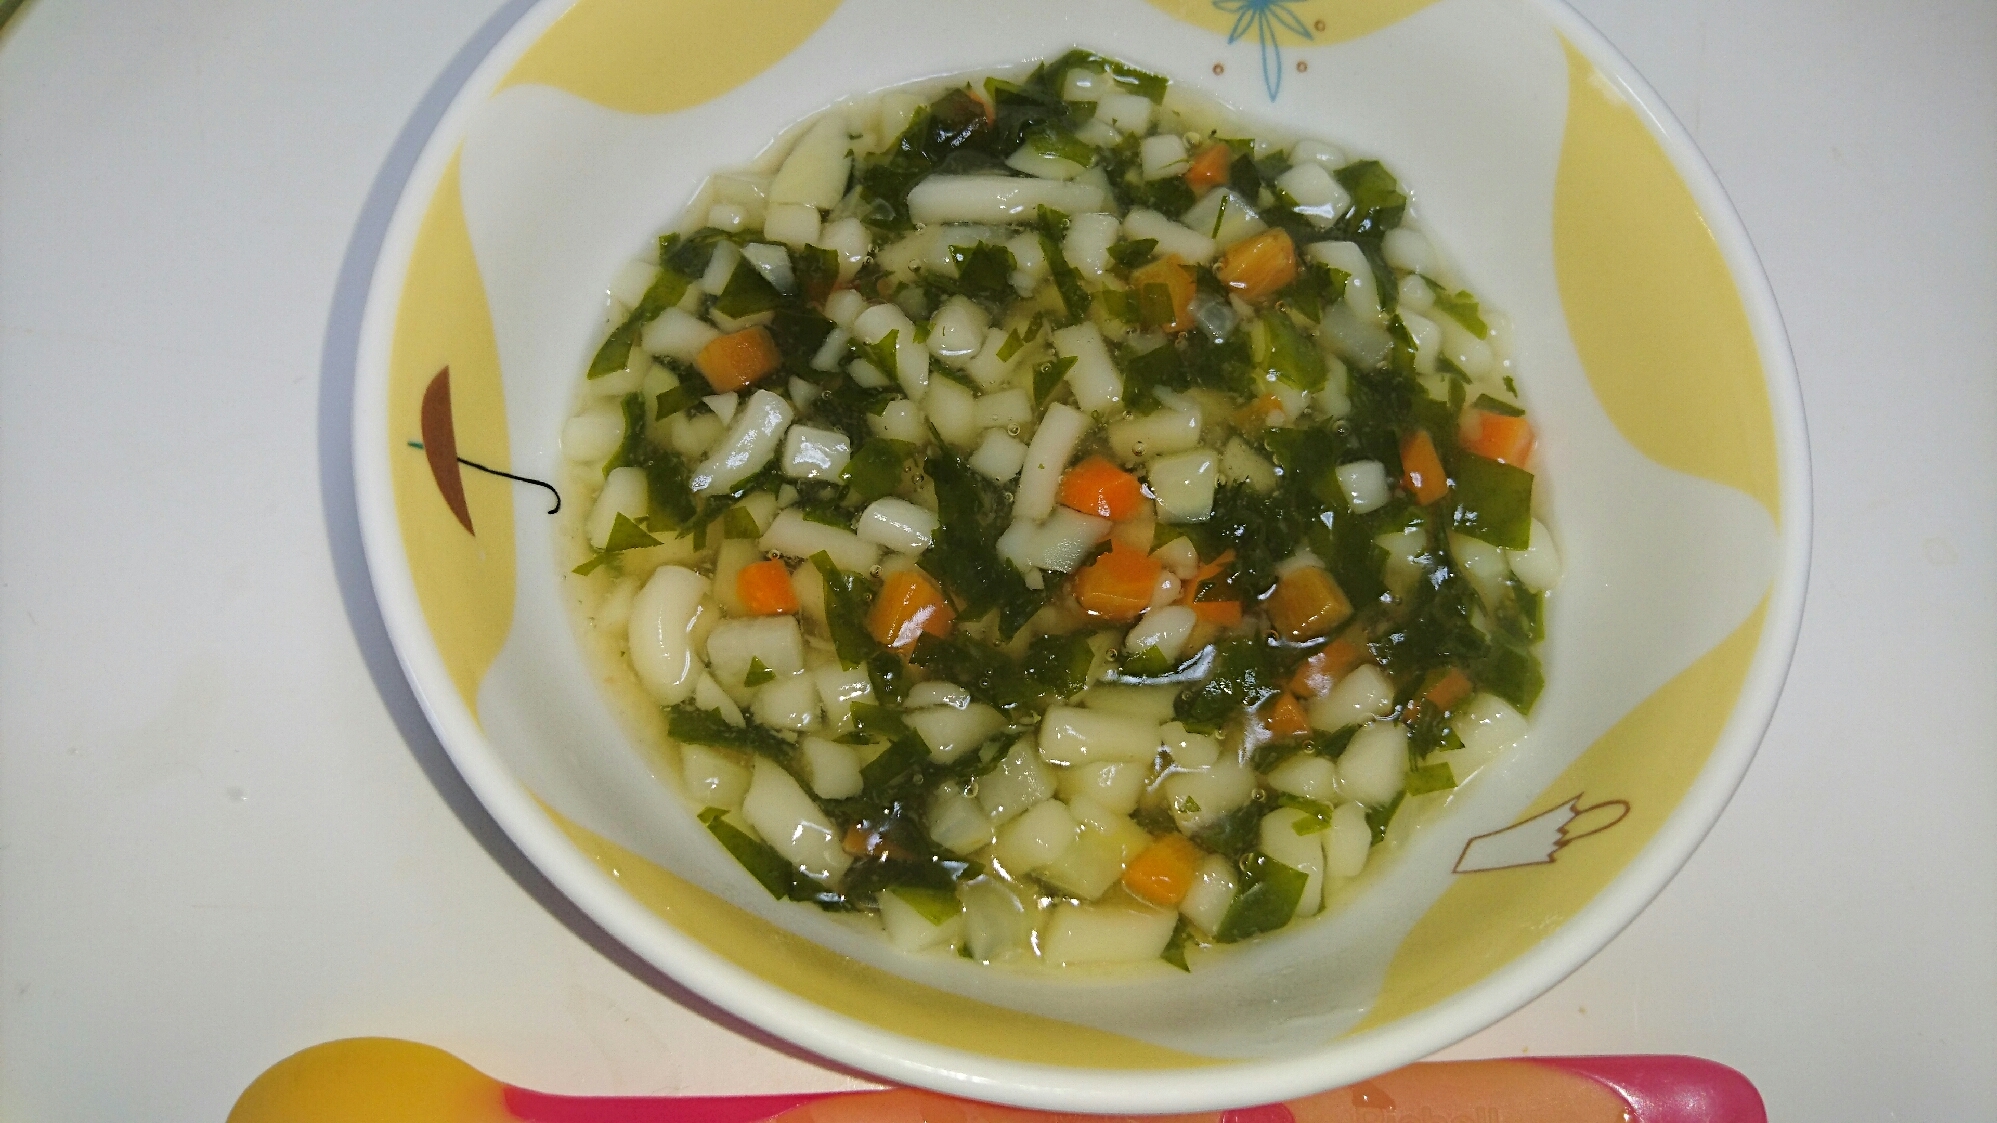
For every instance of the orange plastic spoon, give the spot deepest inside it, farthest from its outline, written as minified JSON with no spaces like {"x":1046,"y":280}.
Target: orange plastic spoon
{"x":382,"y":1080}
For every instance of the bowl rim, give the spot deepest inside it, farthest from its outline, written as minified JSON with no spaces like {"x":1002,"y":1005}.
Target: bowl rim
{"x":907,"y":1060}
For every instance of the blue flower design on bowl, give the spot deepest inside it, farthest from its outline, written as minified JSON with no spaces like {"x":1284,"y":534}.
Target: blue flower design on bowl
{"x":1263,"y":16}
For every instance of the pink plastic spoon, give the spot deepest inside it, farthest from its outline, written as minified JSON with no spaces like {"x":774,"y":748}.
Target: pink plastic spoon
{"x":382,"y":1080}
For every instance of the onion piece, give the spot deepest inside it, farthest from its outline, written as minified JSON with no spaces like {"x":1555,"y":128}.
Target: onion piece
{"x":791,"y":822}
{"x":998,"y":199}
{"x":664,"y":617}
{"x":1046,"y":458}
{"x":796,"y":536}
{"x":751,"y":441}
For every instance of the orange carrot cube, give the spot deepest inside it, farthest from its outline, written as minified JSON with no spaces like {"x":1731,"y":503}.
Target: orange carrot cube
{"x":1307,"y":604}
{"x":1494,"y":436}
{"x":735,"y":360}
{"x":1119,"y":584}
{"x":1220,"y":613}
{"x":1444,"y":691}
{"x":1163,"y":872}
{"x":765,"y":588}
{"x":1259,"y":267}
{"x":1317,"y":674}
{"x":1421,"y":468}
{"x":909,"y":604}
{"x":1285,"y":719}
{"x":1209,"y":168}
{"x":1098,"y":487}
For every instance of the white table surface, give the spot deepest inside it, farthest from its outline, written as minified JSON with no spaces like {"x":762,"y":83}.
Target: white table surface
{"x":226,"y":832}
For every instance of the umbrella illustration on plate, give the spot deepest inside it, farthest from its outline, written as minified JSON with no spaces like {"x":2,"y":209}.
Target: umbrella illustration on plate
{"x":440,"y":448}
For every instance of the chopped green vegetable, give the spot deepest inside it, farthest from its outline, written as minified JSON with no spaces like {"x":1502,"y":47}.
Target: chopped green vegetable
{"x":768,"y":867}
{"x":670,"y":402}
{"x":1175,"y":948}
{"x":1145,"y":372}
{"x":1493,"y":502}
{"x":882,"y":352}
{"x":972,"y":511}
{"x":872,"y":719}
{"x":746,"y":293}
{"x":798,"y":332}
{"x":670,"y":483}
{"x":1019,"y":109}
{"x":1244,"y":676}
{"x":1435,"y":777}
{"x":1243,"y":176}
{"x":1436,"y":629}
{"x":934,"y":905}
{"x":877,"y":470}
{"x":1512,"y":672}
{"x":1130,"y":78}
{"x":1067,"y":281}
{"x":1317,"y":816}
{"x":846,"y":406}
{"x":1258,"y":528}
{"x":984,"y":271}
{"x":1267,"y":900}
{"x":1133,"y":252}
{"x":1061,"y":663}
{"x":816,"y":270}
{"x":846,"y":601}
{"x":689,"y":256}
{"x":1330,"y":746}
{"x":634,"y":448}
{"x":1221,"y":365}
{"x":1522,"y":613}
{"x":1317,"y":287}
{"x":1062,"y":145}
{"x":991,"y":676}
{"x":1148,"y":663}
{"x":692,"y":725}
{"x":737,"y":522}
{"x":1461,"y":307}
{"x":889,"y":676}
{"x":758,"y":673}
{"x":1048,"y":375}
{"x":1377,"y":818}
{"x":1291,"y":355}
{"x":615,"y":353}
{"x":902,"y":758}
{"x":624,"y":535}
{"x":1154,"y":306}
{"x":1120,"y":304}
{"x":825,"y":514}
{"x":1377,"y":202}
{"x":1234,"y":833}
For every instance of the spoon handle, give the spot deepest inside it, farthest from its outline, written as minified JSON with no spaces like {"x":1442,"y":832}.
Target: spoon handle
{"x":382,"y":1080}
{"x":541,"y":1107}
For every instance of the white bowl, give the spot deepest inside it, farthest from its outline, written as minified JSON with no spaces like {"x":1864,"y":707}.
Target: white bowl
{"x":1651,"y":354}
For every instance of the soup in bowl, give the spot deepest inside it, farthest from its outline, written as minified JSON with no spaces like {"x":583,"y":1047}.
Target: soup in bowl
{"x":1073,"y":588}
